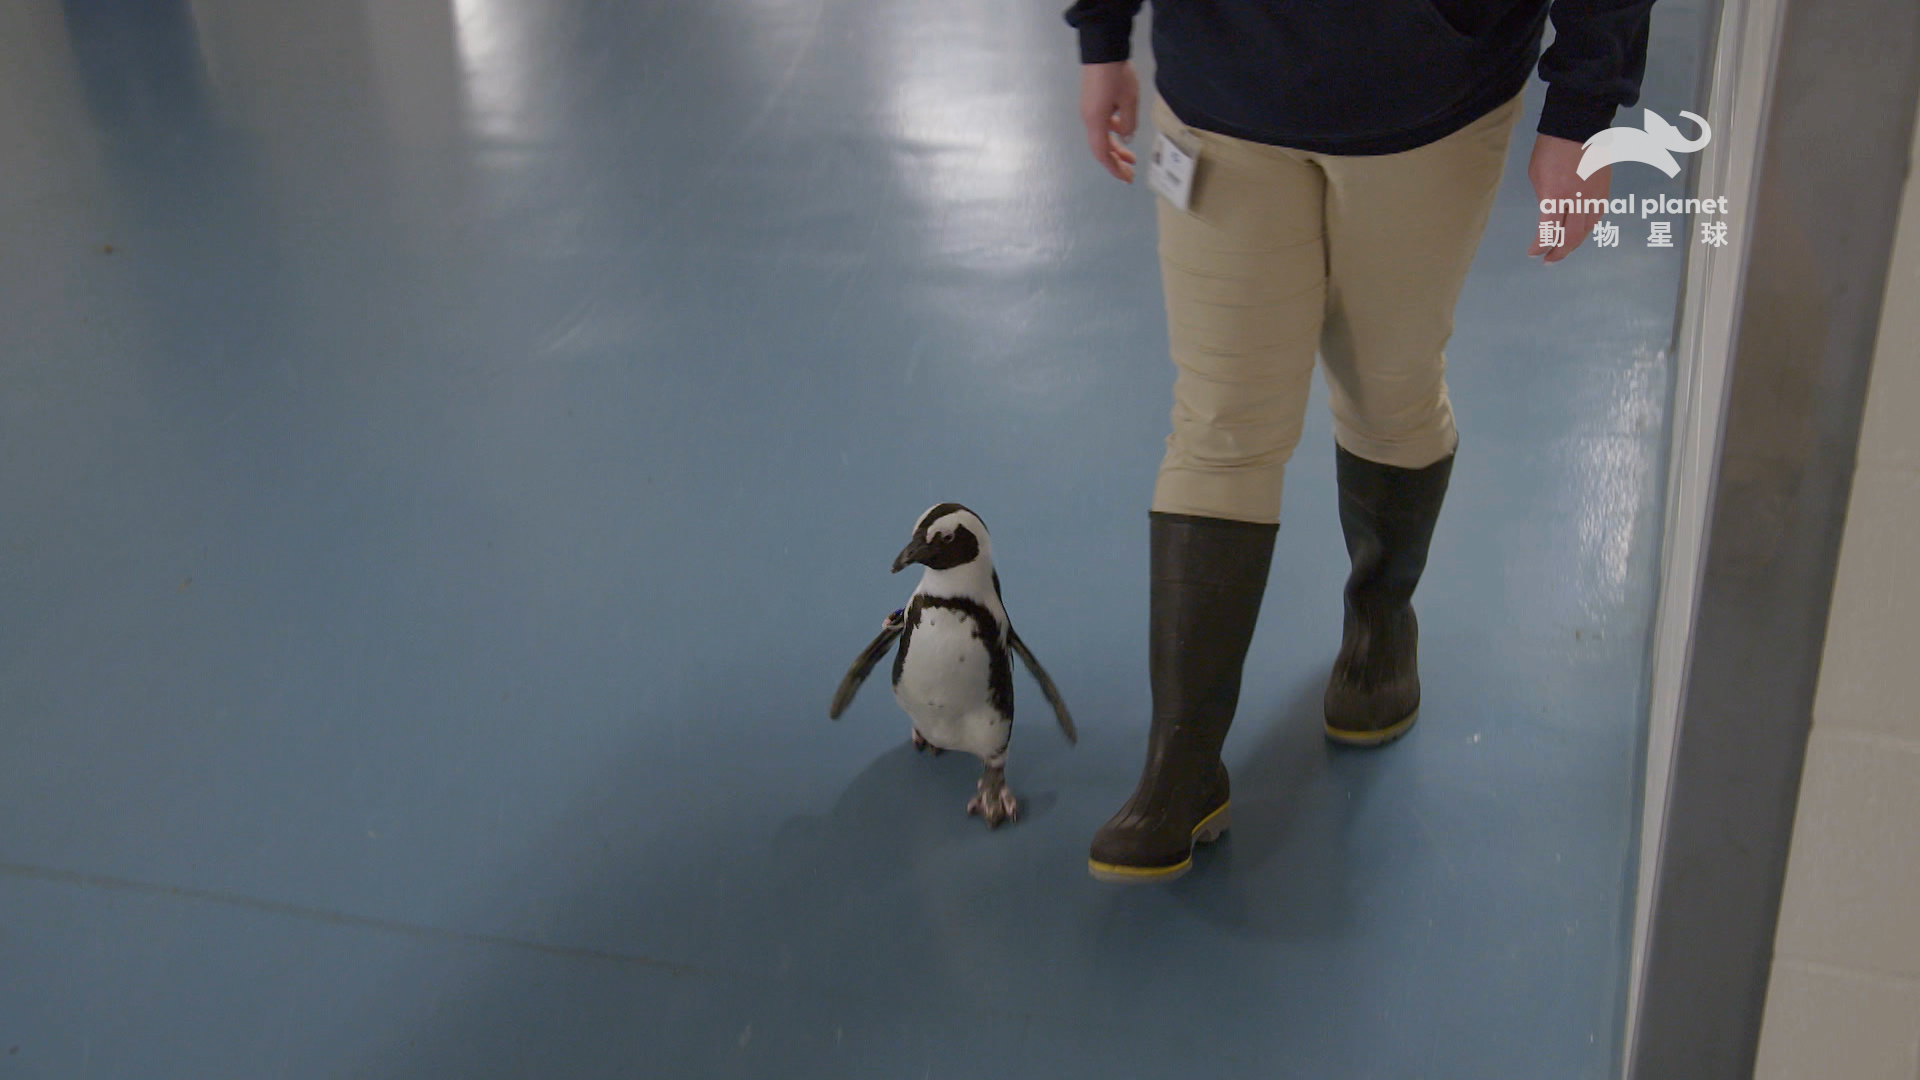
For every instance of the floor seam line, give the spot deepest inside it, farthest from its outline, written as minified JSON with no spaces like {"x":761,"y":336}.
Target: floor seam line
{"x":309,"y":913}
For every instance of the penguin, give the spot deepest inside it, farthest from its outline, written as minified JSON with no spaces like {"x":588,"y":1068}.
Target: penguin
{"x":953,"y":671}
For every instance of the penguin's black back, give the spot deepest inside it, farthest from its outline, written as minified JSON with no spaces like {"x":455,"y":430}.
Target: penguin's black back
{"x":985,"y":627}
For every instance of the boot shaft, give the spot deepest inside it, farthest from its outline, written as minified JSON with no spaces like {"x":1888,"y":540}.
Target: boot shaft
{"x":1387,"y":515}
{"x":1208,"y":578}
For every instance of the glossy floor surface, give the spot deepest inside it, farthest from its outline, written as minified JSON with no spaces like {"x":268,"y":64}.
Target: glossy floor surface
{"x":449,"y":453}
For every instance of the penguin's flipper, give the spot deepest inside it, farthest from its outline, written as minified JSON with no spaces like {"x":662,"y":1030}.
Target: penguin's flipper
{"x":863,"y":664}
{"x":1046,"y":686}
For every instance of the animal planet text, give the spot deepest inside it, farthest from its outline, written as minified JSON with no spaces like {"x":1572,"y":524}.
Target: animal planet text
{"x":1634,"y":204}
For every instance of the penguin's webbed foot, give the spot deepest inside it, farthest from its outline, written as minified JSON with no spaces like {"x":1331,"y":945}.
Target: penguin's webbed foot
{"x":920,"y":744}
{"x":993,"y":800}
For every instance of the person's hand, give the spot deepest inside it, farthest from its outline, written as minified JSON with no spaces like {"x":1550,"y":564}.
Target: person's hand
{"x":1109,"y":107}
{"x":1552,"y":171}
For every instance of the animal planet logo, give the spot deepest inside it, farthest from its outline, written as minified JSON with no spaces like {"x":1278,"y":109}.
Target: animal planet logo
{"x":1653,"y":143}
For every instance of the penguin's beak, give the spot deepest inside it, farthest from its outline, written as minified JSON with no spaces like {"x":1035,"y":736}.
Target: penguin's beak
{"x":916,"y":551}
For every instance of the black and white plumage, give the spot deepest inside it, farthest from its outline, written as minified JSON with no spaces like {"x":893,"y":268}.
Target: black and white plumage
{"x":953,"y":670}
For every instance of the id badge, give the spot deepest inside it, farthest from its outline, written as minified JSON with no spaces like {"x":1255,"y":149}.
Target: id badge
{"x":1170,"y":170}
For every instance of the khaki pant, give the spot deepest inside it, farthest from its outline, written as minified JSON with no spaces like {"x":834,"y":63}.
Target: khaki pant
{"x":1285,"y":253}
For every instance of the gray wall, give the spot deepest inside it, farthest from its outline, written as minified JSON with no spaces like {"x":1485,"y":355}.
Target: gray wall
{"x":1844,"y":1000}
{"x":1834,"y":161}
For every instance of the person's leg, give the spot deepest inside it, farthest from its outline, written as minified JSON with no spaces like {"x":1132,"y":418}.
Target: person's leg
{"x":1402,"y":230}
{"x":1244,"y":272}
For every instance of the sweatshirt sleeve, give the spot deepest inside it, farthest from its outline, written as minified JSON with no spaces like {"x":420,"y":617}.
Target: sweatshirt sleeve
{"x":1594,"y":66}
{"x":1106,"y":29}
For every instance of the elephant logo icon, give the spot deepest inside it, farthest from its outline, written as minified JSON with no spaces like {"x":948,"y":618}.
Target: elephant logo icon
{"x":1654,"y":144}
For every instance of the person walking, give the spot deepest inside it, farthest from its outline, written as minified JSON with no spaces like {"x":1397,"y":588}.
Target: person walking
{"x":1344,"y":160}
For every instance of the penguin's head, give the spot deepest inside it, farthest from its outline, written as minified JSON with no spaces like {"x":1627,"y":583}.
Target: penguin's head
{"x":946,"y":536}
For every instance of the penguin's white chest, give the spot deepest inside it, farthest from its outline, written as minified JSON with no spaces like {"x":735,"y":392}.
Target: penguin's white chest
{"x":946,"y":685}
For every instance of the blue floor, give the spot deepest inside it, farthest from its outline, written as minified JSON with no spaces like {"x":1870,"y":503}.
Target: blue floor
{"x":449,"y":452}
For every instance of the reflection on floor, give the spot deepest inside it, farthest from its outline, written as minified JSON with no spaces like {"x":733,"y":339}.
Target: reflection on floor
{"x":451,"y":451}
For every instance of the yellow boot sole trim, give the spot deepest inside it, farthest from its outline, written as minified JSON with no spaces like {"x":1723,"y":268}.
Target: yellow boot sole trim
{"x":1207,"y":831}
{"x":1372,"y":738}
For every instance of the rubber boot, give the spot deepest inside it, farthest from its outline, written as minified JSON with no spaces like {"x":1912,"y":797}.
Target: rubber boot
{"x":1208,"y":576}
{"x":1388,"y":515}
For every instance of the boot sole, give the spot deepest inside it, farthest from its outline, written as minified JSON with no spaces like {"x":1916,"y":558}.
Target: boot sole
{"x":1210,"y":829}
{"x":1372,"y":738}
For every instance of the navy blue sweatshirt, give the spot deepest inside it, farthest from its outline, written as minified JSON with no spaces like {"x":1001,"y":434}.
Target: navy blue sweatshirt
{"x":1376,"y":76}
